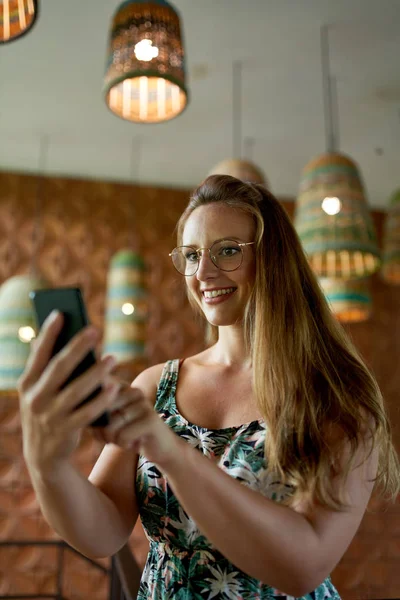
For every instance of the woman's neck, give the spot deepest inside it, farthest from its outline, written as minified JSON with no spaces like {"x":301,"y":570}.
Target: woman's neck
{"x":230,"y":349}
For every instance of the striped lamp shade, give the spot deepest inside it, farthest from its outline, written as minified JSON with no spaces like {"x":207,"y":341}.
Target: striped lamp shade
{"x":145,"y":78}
{"x":350,"y":300}
{"x":17,"y":17}
{"x":333,"y":220}
{"x":241,"y":169}
{"x":391,"y":242}
{"x":17,"y":327}
{"x":126,"y":308}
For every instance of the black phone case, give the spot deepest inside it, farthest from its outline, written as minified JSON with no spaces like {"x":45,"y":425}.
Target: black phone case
{"x":68,"y":301}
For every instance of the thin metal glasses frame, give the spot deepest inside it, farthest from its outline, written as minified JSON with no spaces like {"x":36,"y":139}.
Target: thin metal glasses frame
{"x":210,"y":255}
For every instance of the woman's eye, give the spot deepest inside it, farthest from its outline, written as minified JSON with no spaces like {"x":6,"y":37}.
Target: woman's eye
{"x":229,"y":251}
{"x":191,"y":257}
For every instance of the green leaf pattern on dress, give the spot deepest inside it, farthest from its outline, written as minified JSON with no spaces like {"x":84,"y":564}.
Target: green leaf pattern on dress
{"x":182,"y":564}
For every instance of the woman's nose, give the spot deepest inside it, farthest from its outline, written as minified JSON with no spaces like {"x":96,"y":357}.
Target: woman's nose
{"x":206,"y":267}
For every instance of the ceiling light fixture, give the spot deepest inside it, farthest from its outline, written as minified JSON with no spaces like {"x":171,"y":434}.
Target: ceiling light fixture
{"x":17,"y":17}
{"x":332,"y":216}
{"x":145,"y":80}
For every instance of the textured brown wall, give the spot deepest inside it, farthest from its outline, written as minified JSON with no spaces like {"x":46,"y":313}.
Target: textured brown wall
{"x":82,"y":224}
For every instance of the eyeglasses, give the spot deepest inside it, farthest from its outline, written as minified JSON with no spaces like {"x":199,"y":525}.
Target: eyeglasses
{"x":226,"y":254}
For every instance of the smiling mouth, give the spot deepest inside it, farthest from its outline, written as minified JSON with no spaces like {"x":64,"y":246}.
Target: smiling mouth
{"x":216,"y":293}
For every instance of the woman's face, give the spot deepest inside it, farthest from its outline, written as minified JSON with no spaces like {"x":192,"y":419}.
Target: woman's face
{"x":206,"y":225}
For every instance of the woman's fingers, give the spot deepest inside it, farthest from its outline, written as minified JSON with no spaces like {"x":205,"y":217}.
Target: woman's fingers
{"x":128,"y":410}
{"x":123,"y":417}
{"x":79,"y":389}
{"x":126,"y":396}
{"x":87,"y":413}
{"x":41,"y":351}
{"x":64,"y":363}
{"x":61,"y":366}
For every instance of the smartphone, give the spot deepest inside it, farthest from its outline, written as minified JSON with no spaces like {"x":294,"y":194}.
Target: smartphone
{"x":68,"y":301}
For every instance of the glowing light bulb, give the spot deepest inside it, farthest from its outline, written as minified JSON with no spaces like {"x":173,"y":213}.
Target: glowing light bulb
{"x":128,"y":308}
{"x":144,"y":50}
{"x":331,"y":205}
{"x":26,"y":334}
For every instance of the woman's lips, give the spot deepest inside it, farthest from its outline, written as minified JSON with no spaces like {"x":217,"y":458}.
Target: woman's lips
{"x":218,"y":299}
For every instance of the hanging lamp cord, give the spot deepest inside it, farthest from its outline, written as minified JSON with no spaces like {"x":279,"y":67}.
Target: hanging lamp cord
{"x":248,"y":148}
{"x":237,"y":109}
{"x":335,"y":113}
{"x":331,"y":141}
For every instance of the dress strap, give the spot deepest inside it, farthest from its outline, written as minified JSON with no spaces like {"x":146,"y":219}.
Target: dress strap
{"x":171,"y":367}
{"x":167,"y":384}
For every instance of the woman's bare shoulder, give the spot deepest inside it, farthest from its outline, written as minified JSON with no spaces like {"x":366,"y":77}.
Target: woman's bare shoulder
{"x":149,"y":379}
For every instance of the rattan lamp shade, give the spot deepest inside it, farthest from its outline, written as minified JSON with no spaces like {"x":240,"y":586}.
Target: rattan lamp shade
{"x":17,"y":17}
{"x":16,"y":313}
{"x":342,"y":245}
{"x":126,"y":308}
{"x":241,"y":169}
{"x":350,"y":300}
{"x":145,"y":79}
{"x":391,"y":242}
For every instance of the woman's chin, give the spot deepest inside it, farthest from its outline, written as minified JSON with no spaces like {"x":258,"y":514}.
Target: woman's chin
{"x":222,"y":320}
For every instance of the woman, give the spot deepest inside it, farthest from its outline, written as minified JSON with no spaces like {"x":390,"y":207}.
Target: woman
{"x":279,"y":385}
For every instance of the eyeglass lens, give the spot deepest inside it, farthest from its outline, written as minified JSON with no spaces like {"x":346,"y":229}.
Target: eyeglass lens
{"x":226,"y":255}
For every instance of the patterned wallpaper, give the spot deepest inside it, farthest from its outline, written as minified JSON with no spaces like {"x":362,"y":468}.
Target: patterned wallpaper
{"x":81,"y":225}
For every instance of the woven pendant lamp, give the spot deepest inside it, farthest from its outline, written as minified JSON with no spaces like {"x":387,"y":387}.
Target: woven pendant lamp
{"x":333,"y":220}
{"x":332,"y":216}
{"x":350,"y":300}
{"x":126,"y":307}
{"x":17,"y":17}
{"x":391,"y":242}
{"x":145,"y":78}
{"x":243,"y":169}
{"x":17,"y":327}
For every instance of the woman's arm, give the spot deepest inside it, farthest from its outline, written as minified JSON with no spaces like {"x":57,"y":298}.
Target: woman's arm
{"x":293,"y":550}
{"x":96,"y":517}
{"x":51,"y":420}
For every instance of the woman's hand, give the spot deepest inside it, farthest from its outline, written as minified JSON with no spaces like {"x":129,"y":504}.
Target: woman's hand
{"x":51,"y":423}
{"x":134,"y":424}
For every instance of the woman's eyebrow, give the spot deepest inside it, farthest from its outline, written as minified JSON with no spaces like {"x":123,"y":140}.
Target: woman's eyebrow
{"x":226,"y":237}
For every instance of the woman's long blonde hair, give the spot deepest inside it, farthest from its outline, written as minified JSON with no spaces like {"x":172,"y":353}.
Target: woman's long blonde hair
{"x":308,"y":377}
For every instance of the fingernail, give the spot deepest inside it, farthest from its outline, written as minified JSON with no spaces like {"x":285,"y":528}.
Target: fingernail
{"x":110,"y":361}
{"x":53,"y":316}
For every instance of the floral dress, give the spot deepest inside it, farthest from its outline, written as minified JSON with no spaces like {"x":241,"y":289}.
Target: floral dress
{"x":182,"y":564}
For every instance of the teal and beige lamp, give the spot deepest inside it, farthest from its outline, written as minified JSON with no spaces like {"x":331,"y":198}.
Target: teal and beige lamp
{"x":333,"y":220}
{"x":391,"y":242}
{"x":145,"y":80}
{"x":126,"y":308}
{"x":244,"y":170}
{"x":17,"y":17}
{"x":17,"y":327}
{"x":350,"y":300}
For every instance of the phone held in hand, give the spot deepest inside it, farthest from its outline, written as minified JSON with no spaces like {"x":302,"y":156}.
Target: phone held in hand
{"x":68,"y":301}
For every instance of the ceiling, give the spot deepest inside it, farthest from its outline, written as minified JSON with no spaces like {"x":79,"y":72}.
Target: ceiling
{"x":51,"y":81}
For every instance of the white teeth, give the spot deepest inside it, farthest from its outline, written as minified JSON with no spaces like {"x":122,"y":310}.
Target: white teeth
{"x":216,"y":293}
